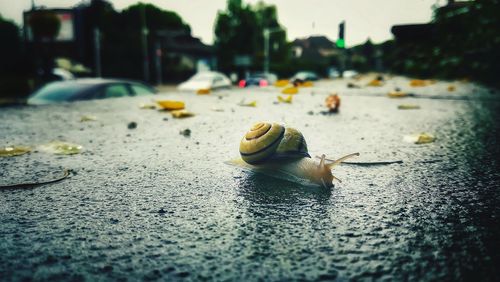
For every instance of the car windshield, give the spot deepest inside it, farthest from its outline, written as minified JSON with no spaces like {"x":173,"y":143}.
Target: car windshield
{"x":58,"y":91}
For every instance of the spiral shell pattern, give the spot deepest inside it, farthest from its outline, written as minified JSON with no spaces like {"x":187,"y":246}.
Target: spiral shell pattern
{"x":266,"y":141}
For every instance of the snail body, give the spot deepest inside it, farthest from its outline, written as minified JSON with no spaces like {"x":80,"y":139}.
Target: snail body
{"x":282,"y":152}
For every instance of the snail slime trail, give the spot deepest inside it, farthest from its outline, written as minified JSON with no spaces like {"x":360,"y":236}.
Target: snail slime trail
{"x":281,"y":151}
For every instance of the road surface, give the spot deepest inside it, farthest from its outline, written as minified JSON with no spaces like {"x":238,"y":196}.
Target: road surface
{"x":152,"y":204}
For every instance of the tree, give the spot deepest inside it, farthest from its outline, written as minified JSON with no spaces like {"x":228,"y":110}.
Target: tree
{"x":14,"y":66}
{"x":121,"y":49}
{"x":239,"y":31}
{"x":10,"y":47}
{"x":44,"y":24}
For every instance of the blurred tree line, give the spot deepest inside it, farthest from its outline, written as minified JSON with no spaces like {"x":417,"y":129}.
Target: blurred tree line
{"x":121,"y":34}
{"x":462,"y":41}
{"x":12,"y":62}
{"x":25,"y":65}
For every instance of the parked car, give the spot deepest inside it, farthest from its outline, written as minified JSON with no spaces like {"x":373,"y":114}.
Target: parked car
{"x":205,"y":80}
{"x":333,"y":73}
{"x":350,"y":73}
{"x":87,"y":89}
{"x":62,"y":74}
{"x":305,"y":76}
{"x":258,"y":79}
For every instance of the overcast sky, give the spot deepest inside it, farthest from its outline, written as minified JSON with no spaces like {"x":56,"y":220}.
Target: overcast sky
{"x":301,"y":18}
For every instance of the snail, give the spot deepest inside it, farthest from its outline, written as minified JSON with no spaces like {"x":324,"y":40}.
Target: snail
{"x":281,"y":151}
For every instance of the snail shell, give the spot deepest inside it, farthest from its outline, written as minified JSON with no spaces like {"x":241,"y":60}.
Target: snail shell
{"x":267,"y":142}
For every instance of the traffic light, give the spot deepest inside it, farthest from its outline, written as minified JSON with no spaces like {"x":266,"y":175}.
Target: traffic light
{"x":340,"y":41}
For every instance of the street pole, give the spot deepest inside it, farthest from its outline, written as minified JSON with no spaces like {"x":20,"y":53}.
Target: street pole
{"x":97,"y":52}
{"x":144,"y":41}
{"x":267,"y":33}
{"x":158,"y":63}
{"x":341,"y":44}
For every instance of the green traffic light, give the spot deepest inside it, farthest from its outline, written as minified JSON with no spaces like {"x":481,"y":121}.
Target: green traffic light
{"x":340,"y":43}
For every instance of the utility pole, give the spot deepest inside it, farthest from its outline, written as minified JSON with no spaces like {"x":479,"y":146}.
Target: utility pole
{"x":341,"y":45}
{"x":158,"y":63}
{"x":267,"y":33}
{"x":144,"y":41}
{"x":97,"y":52}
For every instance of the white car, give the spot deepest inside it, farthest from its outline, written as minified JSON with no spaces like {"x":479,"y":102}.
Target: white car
{"x":350,"y":73}
{"x":205,"y":80}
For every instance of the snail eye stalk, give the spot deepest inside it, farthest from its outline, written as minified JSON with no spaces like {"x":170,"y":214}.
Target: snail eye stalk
{"x":336,"y":162}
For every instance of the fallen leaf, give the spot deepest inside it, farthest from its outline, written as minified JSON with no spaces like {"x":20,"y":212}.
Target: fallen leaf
{"x":408,"y":107}
{"x":375,"y":83}
{"x":332,"y":102}
{"x":352,"y":85}
{"x":422,"y":138}
{"x":306,"y":84}
{"x":148,"y":106}
{"x":251,"y":104}
{"x":281,"y":83}
{"x":421,"y":82}
{"x":290,"y":90}
{"x":170,"y":105}
{"x":11,"y":151}
{"x":203,"y":91}
{"x":288,"y":99}
{"x":451,"y":88}
{"x":397,"y":94}
{"x":181,"y":114}
{"x":85,"y":118}
{"x":61,"y":148}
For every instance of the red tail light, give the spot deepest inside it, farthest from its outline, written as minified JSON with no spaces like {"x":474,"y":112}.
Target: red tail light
{"x":263,"y":83}
{"x":242,"y":83}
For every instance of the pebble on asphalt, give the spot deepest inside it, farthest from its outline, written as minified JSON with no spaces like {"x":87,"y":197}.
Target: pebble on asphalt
{"x":186,"y":132}
{"x":132,"y":125}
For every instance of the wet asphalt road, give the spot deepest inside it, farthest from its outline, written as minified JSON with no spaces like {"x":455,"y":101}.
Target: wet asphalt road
{"x":151,"y":204}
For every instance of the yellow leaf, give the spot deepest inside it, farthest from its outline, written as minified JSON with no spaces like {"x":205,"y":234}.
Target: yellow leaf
{"x":421,"y":82}
{"x":281,"y":83}
{"x":397,"y":94}
{"x":422,"y":138}
{"x":181,"y":114}
{"x":170,"y":105}
{"x":11,"y":151}
{"x":306,"y":84}
{"x":290,"y":90}
{"x":203,"y":91}
{"x":251,"y":104}
{"x":288,"y":99}
{"x":87,"y":118}
{"x":375,"y":83}
{"x":61,"y":148}
{"x":408,"y":107}
{"x":451,"y":88}
{"x":147,"y":106}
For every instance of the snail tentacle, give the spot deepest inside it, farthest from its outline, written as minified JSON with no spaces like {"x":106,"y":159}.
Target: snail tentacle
{"x":338,"y":161}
